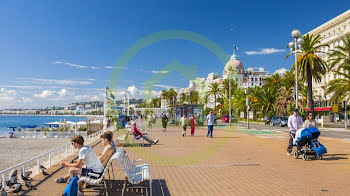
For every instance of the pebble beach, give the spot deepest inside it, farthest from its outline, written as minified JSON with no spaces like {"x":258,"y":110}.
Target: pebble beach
{"x":14,"y":151}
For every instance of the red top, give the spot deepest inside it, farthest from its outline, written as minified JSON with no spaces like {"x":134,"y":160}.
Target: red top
{"x":192,"y":123}
{"x":137,"y":132}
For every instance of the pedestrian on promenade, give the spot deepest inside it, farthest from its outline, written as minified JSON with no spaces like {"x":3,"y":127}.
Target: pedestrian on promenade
{"x":193,"y":124}
{"x":150,"y":122}
{"x":310,"y":121}
{"x":210,"y":123}
{"x":294,"y":123}
{"x":164,"y":122}
{"x":183,"y":124}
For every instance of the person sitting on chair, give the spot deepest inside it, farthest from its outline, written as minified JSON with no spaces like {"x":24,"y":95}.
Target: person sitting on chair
{"x":138,"y":134}
{"x":108,"y":150}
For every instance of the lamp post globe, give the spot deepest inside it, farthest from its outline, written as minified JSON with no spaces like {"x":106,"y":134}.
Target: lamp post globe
{"x":291,"y":45}
{"x":295,"y":33}
{"x":300,"y":41}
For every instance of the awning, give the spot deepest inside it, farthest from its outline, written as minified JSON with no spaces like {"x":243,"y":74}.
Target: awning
{"x":320,"y":109}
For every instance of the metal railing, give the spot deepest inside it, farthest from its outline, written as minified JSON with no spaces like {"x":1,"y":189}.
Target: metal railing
{"x":69,"y":150}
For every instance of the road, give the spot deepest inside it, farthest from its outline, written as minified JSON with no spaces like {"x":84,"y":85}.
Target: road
{"x":324,"y":132}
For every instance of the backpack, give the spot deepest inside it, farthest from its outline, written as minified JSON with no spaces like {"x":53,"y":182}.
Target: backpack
{"x":72,"y":188}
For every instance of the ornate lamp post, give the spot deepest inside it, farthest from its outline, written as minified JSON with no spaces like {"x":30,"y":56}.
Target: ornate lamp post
{"x":246,"y":74}
{"x":294,"y":46}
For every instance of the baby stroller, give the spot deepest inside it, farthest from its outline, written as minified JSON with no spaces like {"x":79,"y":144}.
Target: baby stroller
{"x":307,"y":143}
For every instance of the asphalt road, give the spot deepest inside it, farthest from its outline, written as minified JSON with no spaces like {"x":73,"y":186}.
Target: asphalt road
{"x":324,"y":131}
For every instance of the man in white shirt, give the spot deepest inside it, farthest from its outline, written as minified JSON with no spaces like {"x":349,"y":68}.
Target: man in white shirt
{"x":87,"y":156}
{"x":295,"y":122}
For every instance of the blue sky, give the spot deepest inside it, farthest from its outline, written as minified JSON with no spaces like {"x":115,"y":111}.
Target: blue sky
{"x":58,"y":52}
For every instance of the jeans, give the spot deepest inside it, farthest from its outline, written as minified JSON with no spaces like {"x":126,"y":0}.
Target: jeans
{"x":210,"y":130}
{"x":290,"y":142}
{"x":148,"y":139}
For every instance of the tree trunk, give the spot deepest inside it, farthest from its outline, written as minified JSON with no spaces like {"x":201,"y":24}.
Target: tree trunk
{"x":214,"y":104}
{"x":309,"y":90}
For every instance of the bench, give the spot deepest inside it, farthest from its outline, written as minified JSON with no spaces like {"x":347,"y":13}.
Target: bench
{"x":93,"y":181}
{"x":134,"y":174}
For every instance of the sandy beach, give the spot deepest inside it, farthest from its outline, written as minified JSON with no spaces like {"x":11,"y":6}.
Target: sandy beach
{"x":14,"y":151}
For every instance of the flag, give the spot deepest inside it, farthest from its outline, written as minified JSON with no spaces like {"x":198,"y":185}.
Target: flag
{"x":112,"y":96}
{"x":236,"y":48}
{"x":108,"y":89}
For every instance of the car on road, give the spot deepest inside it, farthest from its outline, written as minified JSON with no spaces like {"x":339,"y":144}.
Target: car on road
{"x":225,"y":118}
{"x":279,"y":120}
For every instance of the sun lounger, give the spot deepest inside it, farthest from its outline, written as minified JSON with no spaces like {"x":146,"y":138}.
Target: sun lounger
{"x":134,"y":174}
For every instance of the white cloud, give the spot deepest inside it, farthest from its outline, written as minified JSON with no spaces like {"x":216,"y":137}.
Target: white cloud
{"x":60,"y":82}
{"x":264,"y":51}
{"x":45,"y":94}
{"x":108,"y":67}
{"x":160,"y":72}
{"x":92,"y":79}
{"x":81,"y":97}
{"x":72,"y":65}
{"x":164,"y":86}
{"x":62,"y":92}
{"x":132,"y":89}
{"x":26,"y":100}
{"x":94,"y":98}
{"x":7,"y":95}
{"x":93,"y":67}
{"x":111,"y":67}
{"x":153,"y":93}
{"x":281,"y":71}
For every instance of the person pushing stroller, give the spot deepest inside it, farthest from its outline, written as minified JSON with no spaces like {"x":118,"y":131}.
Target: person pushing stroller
{"x":294,"y":123}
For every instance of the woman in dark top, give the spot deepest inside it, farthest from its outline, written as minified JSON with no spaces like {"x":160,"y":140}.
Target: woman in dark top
{"x":164,"y":122}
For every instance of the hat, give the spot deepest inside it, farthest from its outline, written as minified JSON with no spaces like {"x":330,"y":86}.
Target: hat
{"x":295,"y":110}
{"x":133,"y":122}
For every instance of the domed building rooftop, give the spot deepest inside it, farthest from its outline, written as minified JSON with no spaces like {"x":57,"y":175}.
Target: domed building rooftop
{"x":235,"y":64}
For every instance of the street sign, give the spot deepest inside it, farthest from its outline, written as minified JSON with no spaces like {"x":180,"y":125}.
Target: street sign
{"x":335,"y":108}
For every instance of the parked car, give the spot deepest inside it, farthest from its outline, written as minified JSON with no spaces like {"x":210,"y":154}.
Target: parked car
{"x":267,"y":120}
{"x":279,"y":120}
{"x":225,"y":118}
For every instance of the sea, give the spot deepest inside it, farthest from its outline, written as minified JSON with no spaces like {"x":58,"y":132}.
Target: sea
{"x":7,"y":121}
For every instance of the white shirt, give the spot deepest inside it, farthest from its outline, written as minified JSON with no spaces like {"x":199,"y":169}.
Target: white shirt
{"x":210,"y":119}
{"x":90,"y":159}
{"x":294,"y":122}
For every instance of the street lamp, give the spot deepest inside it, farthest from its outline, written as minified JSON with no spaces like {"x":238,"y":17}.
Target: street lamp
{"x":246,"y":74}
{"x":229,"y":93}
{"x":294,"y":46}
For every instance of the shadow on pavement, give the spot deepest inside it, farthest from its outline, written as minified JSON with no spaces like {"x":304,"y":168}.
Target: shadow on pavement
{"x":333,"y":157}
{"x":159,"y":187}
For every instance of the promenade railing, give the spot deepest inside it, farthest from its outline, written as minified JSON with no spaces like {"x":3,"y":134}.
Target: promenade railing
{"x":65,"y":150}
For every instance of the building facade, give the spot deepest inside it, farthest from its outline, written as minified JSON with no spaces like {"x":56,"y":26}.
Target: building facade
{"x":331,"y":33}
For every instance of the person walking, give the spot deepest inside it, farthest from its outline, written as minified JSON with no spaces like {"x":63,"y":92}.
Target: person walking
{"x":150,"y":122}
{"x":193,"y":124}
{"x":294,"y":123}
{"x":183,"y":124}
{"x":310,"y":121}
{"x":210,"y":123}
{"x":164,"y":121}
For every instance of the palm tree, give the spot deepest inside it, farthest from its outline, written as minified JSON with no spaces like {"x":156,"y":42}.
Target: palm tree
{"x":310,"y":66}
{"x":194,"y":97}
{"x":183,"y":98}
{"x":340,"y":56}
{"x":239,"y":102}
{"x":171,"y":96}
{"x":226,"y":86}
{"x":284,"y":99}
{"x":215,"y":90}
{"x":340,"y":87}
{"x":273,"y":82}
{"x":266,"y":102}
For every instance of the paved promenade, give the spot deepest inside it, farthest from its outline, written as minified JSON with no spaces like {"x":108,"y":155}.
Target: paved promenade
{"x":235,"y":162}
